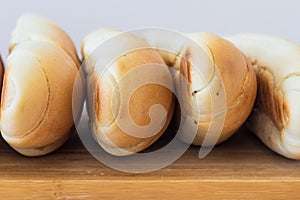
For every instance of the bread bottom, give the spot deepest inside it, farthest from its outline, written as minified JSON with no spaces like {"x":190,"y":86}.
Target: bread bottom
{"x":32,"y":152}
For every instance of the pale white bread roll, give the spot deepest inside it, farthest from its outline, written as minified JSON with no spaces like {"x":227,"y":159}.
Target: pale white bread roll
{"x":36,"y":107}
{"x":226,"y":75}
{"x":277,"y":109}
{"x":31,"y":27}
{"x":106,"y":108}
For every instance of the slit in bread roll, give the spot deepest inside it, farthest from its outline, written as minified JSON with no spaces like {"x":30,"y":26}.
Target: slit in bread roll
{"x":1,"y":74}
{"x":225,"y":73}
{"x":277,"y":110}
{"x":109,"y":113}
{"x":36,"y":107}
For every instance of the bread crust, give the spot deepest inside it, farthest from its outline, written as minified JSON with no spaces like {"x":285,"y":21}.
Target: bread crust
{"x":41,"y":29}
{"x":36,"y":108}
{"x":276,"y":112}
{"x":102,"y":101}
{"x":239,"y":82}
{"x":232,"y":80}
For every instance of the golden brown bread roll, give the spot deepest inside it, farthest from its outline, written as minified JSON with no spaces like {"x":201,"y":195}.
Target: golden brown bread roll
{"x":277,"y":110}
{"x":107,"y":110}
{"x":234,"y":80}
{"x":31,"y":27}
{"x":36,"y":107}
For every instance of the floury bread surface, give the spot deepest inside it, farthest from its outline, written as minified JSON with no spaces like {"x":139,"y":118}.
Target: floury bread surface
{"x":275,"y":118}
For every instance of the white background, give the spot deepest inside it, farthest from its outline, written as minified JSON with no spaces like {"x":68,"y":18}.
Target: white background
{"x":221,"y":17}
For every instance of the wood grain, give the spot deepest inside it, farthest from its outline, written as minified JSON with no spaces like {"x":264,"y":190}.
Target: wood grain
{"x":242,"y":167}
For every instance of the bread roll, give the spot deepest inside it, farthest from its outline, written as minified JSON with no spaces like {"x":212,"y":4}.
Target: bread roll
{"x":31,"y":27}
{"x":277,"y":110}
{"x":36,"y":107}
{"x":125,"y":53}
{"x":233,"y":80}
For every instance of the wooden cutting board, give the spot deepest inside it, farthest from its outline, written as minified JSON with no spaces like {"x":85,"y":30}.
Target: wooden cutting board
{"x":242,"y":167}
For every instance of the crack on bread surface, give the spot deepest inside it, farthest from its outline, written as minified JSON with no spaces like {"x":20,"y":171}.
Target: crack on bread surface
{"x":270,"y":97}
{"x":243,"y":91}
{"x":46,"y":109}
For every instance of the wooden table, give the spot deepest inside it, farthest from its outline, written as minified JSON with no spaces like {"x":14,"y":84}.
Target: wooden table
{"x":242,"y":167}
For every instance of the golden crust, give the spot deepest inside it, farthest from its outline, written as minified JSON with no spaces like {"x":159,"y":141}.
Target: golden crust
{"x":103,"y":101}
{"x":236,"y":75}
{"x":51,"y":99}
{"x":225,"y":74}
{"x":31,"y":152}
{"x":42,"y":29}
{"x":36,"y":107}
